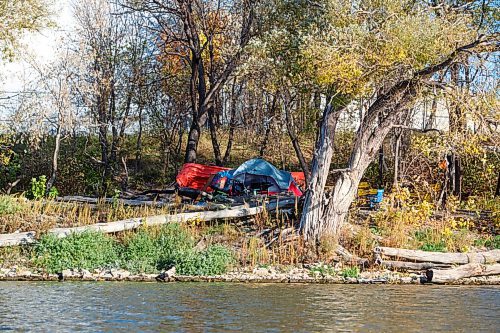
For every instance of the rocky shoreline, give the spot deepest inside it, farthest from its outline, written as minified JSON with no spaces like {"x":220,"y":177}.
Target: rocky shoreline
{"x":257,"y":275}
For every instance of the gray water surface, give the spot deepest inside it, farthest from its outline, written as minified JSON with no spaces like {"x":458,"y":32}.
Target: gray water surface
{"x":195,"y":307}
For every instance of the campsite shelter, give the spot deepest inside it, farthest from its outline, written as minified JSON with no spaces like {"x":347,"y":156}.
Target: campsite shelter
{"x":198,"y":176}
{"x":259,"y":171}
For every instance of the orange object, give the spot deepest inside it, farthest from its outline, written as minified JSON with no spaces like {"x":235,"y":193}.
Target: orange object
{"x":443,"y":165}
{"x":196,"y":175}
{"x":299,"y":178}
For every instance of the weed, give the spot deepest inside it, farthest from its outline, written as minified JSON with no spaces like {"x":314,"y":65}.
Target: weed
{"x":350,"y":272}
{"x":85,"y":250}
{"x":322,"y":270}
{"x":488,"y":242}
{"x":215,"y":260}
{"x":9,"y":205}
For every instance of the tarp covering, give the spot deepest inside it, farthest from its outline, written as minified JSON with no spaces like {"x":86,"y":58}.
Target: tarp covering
{"x":299,"y":178}
{"x":196,"y":175}
{"x":258,"y":168}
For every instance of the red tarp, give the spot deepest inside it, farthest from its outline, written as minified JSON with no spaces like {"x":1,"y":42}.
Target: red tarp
{"x":197,"y":175}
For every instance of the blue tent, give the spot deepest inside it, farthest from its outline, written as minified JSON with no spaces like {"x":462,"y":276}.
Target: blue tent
{"x":258,"y":170}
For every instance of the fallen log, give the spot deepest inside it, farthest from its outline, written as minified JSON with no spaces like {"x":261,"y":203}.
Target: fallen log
{"x":465,"y":271}
{"x":492,"y":256}
{"x":409,"y":266}
{"x":134,"y":223}
{"x":18,"y":238}
{"x":125,"y":202}
{"x":349,"y":257}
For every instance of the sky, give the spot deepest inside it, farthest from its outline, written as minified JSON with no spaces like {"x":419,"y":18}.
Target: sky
{"x":41,"y":45}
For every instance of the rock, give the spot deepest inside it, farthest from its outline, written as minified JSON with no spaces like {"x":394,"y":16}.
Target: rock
{"x":124,"y":274}
{"x":85,"y":274}
{"x":67,"y":273}
{"x":24,"y":273}
{"x":406,"y":279}
{"x":260,"y":271}
{"x":351,"y":280}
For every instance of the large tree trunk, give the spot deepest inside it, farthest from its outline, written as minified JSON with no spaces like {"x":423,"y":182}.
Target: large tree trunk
{"x":315,"y":201}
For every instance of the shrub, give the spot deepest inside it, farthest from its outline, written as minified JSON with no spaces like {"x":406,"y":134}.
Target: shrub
{"x":85,"y":250}
{"x":140,"y":253}
{"x":9,"y":205}
{"x":215,"y":260}
{"x":493,"y":243}
{"x":38,"y":189}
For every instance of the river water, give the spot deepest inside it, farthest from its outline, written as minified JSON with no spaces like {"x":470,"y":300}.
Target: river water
{"x":195,"y":307}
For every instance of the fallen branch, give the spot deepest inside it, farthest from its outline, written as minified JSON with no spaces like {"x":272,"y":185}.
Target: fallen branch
{"x":465,"y":271}
{"x":492,"y":256}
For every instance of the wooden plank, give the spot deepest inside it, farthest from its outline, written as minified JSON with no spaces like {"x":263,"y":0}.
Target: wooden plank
{"x":492,"y":256}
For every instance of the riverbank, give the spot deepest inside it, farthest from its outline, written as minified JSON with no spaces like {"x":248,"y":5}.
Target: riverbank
{"x":311,"y":275}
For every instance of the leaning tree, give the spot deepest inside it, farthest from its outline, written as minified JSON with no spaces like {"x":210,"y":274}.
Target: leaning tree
{"x":386,"y":54}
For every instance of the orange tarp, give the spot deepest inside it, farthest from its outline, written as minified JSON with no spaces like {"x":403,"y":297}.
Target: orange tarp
{"x":196,"y":175}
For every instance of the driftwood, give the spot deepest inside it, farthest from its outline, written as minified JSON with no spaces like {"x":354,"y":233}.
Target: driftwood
{"x":492,"y":256}
{"x":408,"y":266}
{"x":18,"y":238}
{"x":465,"y":271}
{"x":349,"y":257}
{"x":134,"y":223}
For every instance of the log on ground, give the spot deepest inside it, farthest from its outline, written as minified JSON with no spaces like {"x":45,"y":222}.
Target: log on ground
{"x":18,"y":238}
{"x":409,"y":266}
{"x":134,"y":223}
{"x":492,"y":256}
{"x":460,"y":272}
{"x":125,"y":202}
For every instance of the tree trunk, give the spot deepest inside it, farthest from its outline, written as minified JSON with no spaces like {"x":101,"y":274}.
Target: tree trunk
{"x":315,"y":201}
{"x":55,"y":159}
{"x":395,"y":182}
{"x":265,"y":140}
{"x":192,"y":142}
{"x":232,"y":124}
{"x":485,"y":257}
{"x":295,"y":140}
{"x":138,"y":145}
{"x":213,"y":136}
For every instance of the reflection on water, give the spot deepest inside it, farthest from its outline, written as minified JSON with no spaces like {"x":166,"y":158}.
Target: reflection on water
{"x":192,"y":307}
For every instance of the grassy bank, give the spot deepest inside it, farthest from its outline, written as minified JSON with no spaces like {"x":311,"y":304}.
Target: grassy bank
{"x":199,"y":248}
